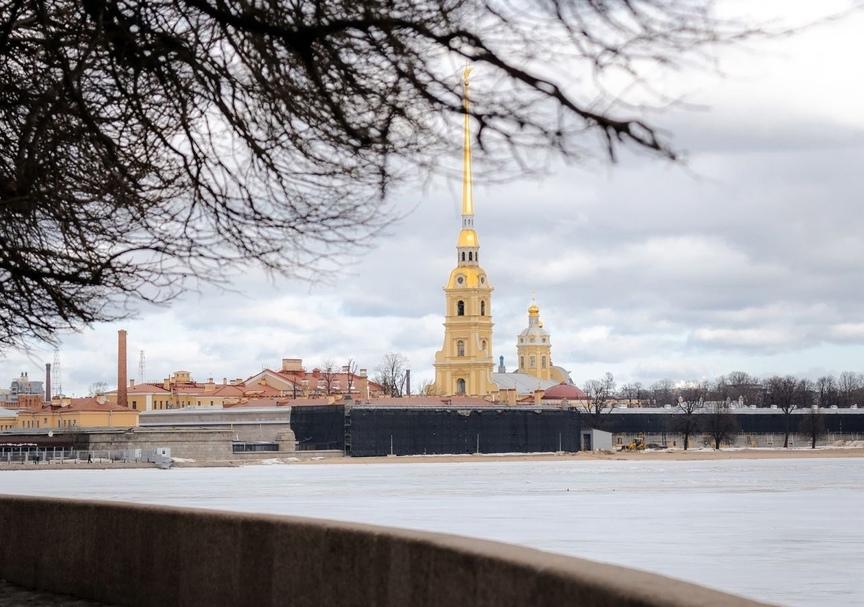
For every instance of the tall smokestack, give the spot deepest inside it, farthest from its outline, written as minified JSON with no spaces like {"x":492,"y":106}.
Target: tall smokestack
{"x":48,"y":383}
{"x":408,"y":382}
{"x":122,"y":383}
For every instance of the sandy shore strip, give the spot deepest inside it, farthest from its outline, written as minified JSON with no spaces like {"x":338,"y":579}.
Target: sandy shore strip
{"x":583,"y":456}
{"x":669,"y":455}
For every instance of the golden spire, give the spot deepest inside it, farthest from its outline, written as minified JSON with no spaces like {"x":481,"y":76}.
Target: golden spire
{"x":467,"y":194}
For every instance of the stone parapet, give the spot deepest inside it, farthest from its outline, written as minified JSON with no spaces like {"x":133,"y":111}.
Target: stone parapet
{"x":150,"y":555}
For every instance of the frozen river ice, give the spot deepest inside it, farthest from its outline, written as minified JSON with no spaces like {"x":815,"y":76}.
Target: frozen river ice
{"x":785,"y":531}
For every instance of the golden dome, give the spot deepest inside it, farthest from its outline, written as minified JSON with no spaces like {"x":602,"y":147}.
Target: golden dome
{"x":533,"y":310}
{"x":467,"y":238}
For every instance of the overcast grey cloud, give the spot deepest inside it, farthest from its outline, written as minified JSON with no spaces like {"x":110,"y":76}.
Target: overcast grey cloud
{"x":750,"y":256}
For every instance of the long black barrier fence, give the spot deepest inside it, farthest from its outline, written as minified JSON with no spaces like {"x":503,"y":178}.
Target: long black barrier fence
{"x":371,"y":431}
{"x":405,"y":431}
{"x":319,"y":426}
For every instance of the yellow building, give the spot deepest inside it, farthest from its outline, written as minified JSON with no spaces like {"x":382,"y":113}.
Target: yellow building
{"x":78,"y":413}
{"x":464,"y":363}
{"x":534,"y":347}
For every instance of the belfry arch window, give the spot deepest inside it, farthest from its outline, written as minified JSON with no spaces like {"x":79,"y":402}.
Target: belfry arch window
{"x":470,"y":256}
{"x":463,"y":255}
{"x":460,"y":386}
{"x":460,"y":308}
{"x":460,"y":348}
{"x":483,"y":345}
{"x":482,"y":308}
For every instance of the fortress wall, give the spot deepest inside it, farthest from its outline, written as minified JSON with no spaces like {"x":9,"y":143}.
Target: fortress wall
{"x":200,"y":445}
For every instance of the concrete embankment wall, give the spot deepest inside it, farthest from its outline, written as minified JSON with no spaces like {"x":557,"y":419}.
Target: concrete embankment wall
{"x":200,"y":444}
{"x":401,"y":431}
{"x":148,"y":555}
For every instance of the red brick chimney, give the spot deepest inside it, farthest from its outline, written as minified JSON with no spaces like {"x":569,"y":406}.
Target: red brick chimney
{"x":122,"y":399}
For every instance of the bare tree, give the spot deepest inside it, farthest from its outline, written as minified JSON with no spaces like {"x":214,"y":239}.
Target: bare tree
{"x":719,"y":422}
{"x":662,"y":392}
{"x":600,"y":393}
{"x":634,"y":393}
{"x":849,"y":385}
{"x":813,"y":425}
{"x":783,"y":392}
{"x":328,"y":375}
{"x":391,"y":374}
{"x":351,"y":370}
{"x":740,"y":384}
{"x":826,"y":392}
{"x":691,"y":401}
{"x":148,"y":146}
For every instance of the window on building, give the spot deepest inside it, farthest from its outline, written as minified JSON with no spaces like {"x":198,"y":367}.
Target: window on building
{"x":482,"y":308}
{"x":463,"y":255}
{"x":533,"y":361}
{"x":460,"y":308}
{"x":460,"y":386}
{"x":522,"y":361}
{"x":460,"y":348}
{"x":543,"y":362}
{"x":470,"y":256}
{"x":483,"y":345}
{"x":254,"y":447}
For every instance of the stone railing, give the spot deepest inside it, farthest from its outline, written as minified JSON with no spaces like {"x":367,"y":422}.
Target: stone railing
{"x":128,"y":554}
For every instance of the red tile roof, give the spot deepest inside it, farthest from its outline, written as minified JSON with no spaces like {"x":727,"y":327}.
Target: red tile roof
{"x":143,"y":389}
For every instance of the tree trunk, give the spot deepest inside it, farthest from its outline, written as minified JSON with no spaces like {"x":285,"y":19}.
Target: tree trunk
{"x":813,"y":441}
{"x":786,"y":440}
{"x":716,"y":443}
{"x":686,"y":440}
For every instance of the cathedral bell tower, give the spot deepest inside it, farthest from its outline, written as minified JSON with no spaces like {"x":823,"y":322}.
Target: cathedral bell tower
{"x":464,"y":363}
{"x":534,"y":347}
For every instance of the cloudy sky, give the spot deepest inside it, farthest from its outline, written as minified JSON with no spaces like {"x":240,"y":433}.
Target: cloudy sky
{"x":749,"y":257}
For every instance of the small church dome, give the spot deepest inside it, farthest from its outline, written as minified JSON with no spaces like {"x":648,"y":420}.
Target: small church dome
{"x":564,"y":391}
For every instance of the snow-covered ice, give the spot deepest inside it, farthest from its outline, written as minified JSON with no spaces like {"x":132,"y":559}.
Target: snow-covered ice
{"x":785,"y":531}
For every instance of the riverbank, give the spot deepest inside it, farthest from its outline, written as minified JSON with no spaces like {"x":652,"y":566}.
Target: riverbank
{"x":647,"y":455}
{"x":668,"y":455}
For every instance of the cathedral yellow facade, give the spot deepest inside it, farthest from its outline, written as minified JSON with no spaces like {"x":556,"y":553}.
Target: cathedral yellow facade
{"x":464,"y":363}
{"x":534,"y":347}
